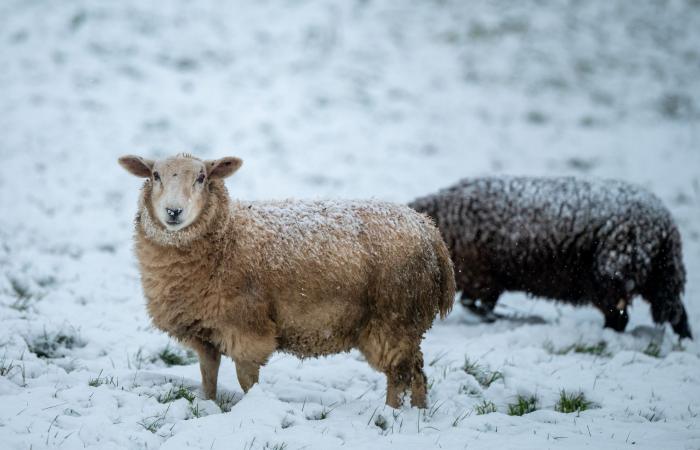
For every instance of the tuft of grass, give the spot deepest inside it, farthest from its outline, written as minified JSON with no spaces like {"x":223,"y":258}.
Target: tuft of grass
{"x":434,"y":408}
{"x":570,"y":402}
{"x":5,"y":367}
{"x":100,"y":380}
{"x":153,"y":423}
{"x":278,"y":446}
{"x":171,"y":358}
{"x":49,"y":346}
{"x":287,"y":422}
{"x":139,"y":359}
{"x":21,"y":293}
{"x":599,"y":349}
{"x":652,"y":415}
{"x":322,"y":414}
{"x":381,"y":422}
{"x":484,"y":376}
{"x":176,"y":394}
{"x":523,"y":405}
{"x":437,"y":358}
{"x":226,"y":401}
{"x":472,"y":391}
{"x":653,"y":350}
{"x":460,"y":417}
{"x":485,"y":407}
{"x":490,"y":378}
{"x":194,"y":410}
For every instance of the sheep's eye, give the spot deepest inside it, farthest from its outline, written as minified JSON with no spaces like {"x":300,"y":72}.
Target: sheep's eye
{"x":200,"y":178}
{"x":156,"y":176}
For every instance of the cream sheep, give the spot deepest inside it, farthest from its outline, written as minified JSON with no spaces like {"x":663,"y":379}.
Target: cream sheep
{"x":245,"y":279}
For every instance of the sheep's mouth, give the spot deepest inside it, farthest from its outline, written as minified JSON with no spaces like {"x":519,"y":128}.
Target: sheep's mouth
{"x":173,"y":223}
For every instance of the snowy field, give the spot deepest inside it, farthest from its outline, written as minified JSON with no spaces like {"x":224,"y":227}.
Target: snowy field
{"x":354,"y":99}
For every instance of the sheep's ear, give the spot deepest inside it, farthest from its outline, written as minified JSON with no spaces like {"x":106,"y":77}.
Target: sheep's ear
{"x":224,"y":167}
{"x":136,"y":165}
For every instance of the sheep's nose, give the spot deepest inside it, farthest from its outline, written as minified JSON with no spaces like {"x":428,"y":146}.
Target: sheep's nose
{"x":173,"y":213}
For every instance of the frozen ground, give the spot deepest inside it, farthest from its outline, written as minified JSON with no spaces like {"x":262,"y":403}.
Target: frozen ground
{"x":333,"y":99}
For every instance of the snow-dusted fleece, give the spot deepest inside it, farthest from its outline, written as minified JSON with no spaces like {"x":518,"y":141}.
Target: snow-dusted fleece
{"x":577,"y":241}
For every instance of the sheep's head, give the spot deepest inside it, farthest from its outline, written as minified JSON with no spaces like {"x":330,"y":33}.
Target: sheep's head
{"x":179,"y":185}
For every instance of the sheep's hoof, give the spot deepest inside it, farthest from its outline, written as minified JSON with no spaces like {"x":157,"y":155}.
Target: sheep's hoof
{"x":485,"y":313}
{"x":682,"y":329}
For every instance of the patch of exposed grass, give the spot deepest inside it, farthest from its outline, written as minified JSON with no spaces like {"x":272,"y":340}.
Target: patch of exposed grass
{"x":485,"y":407}
{"x":460,"y":417}
{"x":54,"y":345}
{"x":138,"y":359}
{"x":175,"y":358}
{"x":434,"y":408}
{"x":483,"y":375}
{"x":21,"y":293}
{"x":653,"y":350}
{"x":278,"y":446}
{"x":570,"y":402}
{"x":6,"y":368}
{"x":599,"y":349}
{"x":286,"y":422}
{"x":153,"y":423}
{"x":490,"y":378}
{"x":176,"y":393}
{"x":381,"y":422}
{"x":321,"y":414}
{"x":226,"y":401}
{"x":523,"y":405}
{"x":195,"y":411}
{"x":469,"y":390}
{"x":100,"y":380}
{"x":19,"y":289}
{"x":437,"y":358}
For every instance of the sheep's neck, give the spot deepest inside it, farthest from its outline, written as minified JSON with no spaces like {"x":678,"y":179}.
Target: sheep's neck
{"x":169,"y":266}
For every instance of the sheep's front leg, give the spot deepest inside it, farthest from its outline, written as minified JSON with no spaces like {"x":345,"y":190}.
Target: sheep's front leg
{"x":247,"y":373}
{"x":209,"y":361}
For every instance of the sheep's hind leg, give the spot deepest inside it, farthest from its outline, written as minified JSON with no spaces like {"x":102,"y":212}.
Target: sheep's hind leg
{"x":419,"y":389}
{"x":399,"y":358}
{"x":681,"y":327}
{"x":671,"y":311}
{"x":247,"y":373}
{"x":209,"y":361}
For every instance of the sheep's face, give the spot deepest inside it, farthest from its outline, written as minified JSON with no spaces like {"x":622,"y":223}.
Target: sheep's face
{"x":179,"y":185}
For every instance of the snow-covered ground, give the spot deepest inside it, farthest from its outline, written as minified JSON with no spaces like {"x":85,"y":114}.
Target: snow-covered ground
{"x":383,"y":99}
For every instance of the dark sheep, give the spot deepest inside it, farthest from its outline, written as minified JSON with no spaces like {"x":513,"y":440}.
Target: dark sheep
{"x":576,"y":241}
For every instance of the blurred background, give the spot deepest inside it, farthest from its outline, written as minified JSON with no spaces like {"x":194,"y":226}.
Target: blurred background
{"x":385,"y":99}
{"x":363,"y":98}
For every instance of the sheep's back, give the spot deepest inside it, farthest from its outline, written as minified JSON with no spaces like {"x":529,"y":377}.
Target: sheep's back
{"x":517,"y":224}
{"x":327,"y":240}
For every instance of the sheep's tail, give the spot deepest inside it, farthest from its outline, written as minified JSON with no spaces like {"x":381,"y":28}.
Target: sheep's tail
{"x":447,"y":276}
{"x":666,"y":284}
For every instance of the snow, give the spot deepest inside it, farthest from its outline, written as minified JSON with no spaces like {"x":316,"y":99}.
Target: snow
{"x":384,"y":100}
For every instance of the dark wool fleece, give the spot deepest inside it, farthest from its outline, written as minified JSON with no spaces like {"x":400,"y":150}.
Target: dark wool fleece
{"x":600,"y":242}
